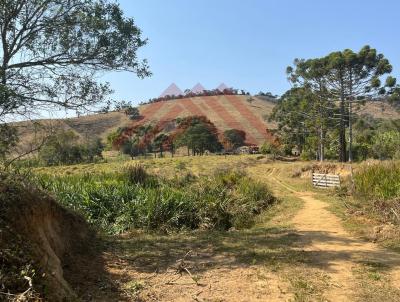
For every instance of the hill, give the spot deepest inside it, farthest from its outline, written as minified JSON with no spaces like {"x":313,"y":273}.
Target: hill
{"x":225,"y":111}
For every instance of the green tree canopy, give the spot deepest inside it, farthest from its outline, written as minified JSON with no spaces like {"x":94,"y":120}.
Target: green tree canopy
{"x":347,"y":78}
{"x":199,"y":138}
{"x":197,"y":133}
{"x":65,"y":147}
{"x":51,"y":51}
{"x":234,"y":138}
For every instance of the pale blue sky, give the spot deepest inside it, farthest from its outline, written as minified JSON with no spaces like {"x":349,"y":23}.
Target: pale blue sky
{"x":248,"y":44}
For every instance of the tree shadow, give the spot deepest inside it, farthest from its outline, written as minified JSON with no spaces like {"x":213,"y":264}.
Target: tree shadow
{"x":149,"y":253}
{"x":89,"y":277}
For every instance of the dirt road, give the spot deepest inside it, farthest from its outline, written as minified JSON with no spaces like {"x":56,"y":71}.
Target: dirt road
{"x":354,"y":268}
{"x":299,"y":255}
{"x":337,"y":253}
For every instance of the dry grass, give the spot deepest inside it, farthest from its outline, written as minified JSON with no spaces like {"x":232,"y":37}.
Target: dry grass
{"x":269,"y":260}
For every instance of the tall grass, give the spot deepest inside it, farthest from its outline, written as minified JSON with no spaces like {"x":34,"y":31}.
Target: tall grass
{"x":378,"y":190}
{"x":116,"y":202}
{"x":378,"y":181}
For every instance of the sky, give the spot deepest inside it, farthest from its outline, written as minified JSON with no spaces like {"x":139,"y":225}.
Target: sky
{"x":248,"y":44}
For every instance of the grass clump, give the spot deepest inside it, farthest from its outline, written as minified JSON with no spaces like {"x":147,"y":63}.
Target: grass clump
{"x":378,"y":181}
{"x":136,"y":200}
{"x":136,"y":174}
{"x":377,"y":189}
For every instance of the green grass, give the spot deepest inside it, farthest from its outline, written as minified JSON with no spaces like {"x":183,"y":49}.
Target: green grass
{"x":117,"y":202}
{"x":378,"y":181}
{"x":375,"y":284}
{"x":374,"y":201}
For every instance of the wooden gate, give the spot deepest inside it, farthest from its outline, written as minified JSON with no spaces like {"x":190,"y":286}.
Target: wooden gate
{"x":325,"y":180}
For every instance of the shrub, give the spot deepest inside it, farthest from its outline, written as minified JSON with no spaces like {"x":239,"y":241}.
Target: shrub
{"x":378,"y":181}
{"x":307,"y":155}
{"x":111,"y":202}
{"x":265,"y":148}
{"x":386,"y":144}
{"x":65,"y":147}
{"x":377,"y":190}
{"x":270,"y":148}
{"x":136,"y":174}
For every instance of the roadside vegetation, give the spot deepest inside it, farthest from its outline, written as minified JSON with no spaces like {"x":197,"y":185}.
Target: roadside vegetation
{"x":117,"y":202}
{"x":368,"y":201}
{"x":377,"y":197}
{"x":318,"y":115}
{"x":221,"y":217}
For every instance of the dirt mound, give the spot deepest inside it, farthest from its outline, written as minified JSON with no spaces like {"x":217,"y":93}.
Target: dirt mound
{"x":38,"y":241}
{"x":325,"y":168}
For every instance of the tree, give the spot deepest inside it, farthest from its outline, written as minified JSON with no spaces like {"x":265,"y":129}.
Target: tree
{"x":64,"y":147}
{"x":93,"y":149}
{"x":310,"y":75}
{"x":131,"y":147}
{"x":52,"y":50}
{"x":133,"y":113}
{"x":8,"y":139}
{"x":234,"y":138}
{"x":197,"y":133}
{"x":160,"y":142}
{"x":346,"y":76}
{"x":199,"y":138}
{"x":355,"y":78}
{"x":301,"y":114}
{"x":128,"y":108}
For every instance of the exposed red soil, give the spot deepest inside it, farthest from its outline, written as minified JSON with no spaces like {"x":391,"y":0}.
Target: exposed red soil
{"x":192,"y":107}
{"x":150,"y":110}
{"x":173,"y":113}
{"x":229,"y":120}
{"x":254,"y":120}
{"x":57,"y":240}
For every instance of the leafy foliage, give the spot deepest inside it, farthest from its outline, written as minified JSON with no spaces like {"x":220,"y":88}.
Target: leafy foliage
{"x":8,"y":139}
{"x":65,"y":148}
{"x":116,"y":203}
{"x":234,"y":138}
{"x":270,"y":148}
{"x":339,"y":82}
{"x":52,"y":49}
{"x":197,"y":133}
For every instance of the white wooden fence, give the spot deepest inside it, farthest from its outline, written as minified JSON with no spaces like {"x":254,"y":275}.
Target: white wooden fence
{"x":325,"y":180}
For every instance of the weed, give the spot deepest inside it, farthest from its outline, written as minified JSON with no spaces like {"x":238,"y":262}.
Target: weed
{"x":136,"y":174}
{"x":378,"y":181}
{"x":110,"y":201}
{"x":133,"y":288}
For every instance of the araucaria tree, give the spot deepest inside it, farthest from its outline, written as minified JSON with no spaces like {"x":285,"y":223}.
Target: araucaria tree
{"x":52,"y":50}
{"x":342,"y":80}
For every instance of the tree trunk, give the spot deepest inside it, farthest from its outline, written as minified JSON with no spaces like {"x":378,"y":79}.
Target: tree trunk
{"x":350,"y":119}
{"x":342,"y":129}
{"x":350,"y":131}
{"x":321,"y":145}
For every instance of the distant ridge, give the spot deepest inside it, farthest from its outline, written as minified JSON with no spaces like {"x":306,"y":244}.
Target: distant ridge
{"x":198,"y":88}
{"x":222,"y":87}
{"x":172,"y":90}
{"x":225,"y":111}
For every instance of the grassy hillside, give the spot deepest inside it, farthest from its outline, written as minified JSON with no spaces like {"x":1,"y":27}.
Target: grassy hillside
{"x":225,"y":111}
